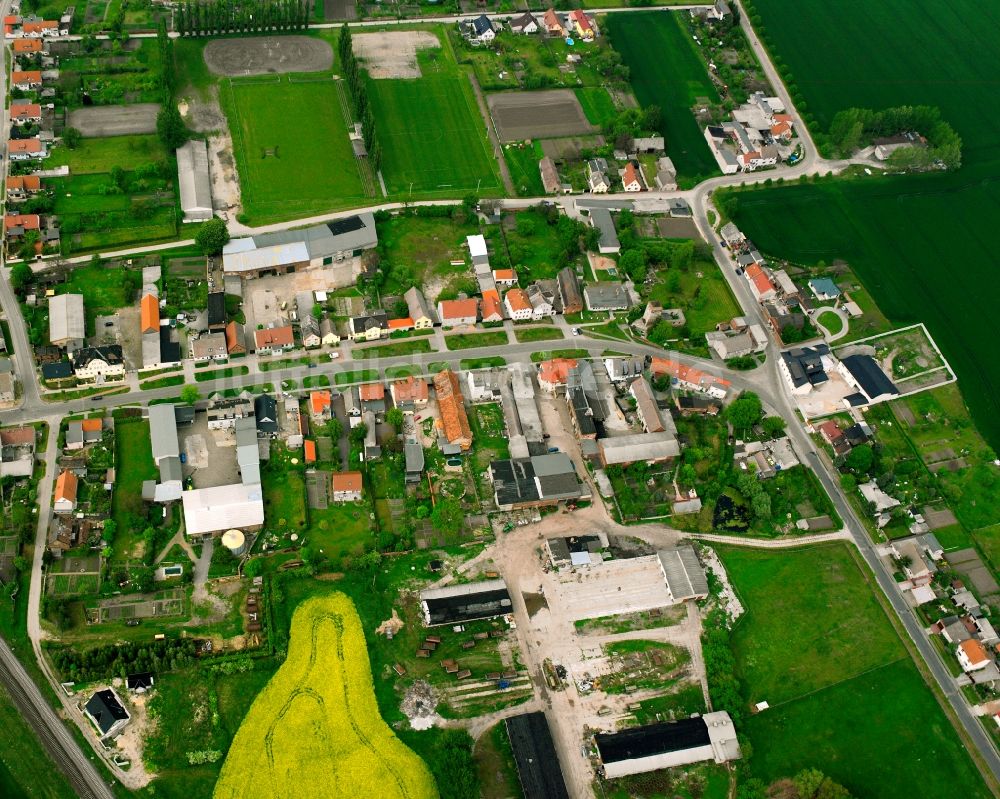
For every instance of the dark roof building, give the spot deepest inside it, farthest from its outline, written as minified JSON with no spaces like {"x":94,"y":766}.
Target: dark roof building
{"x":569,"y":291}
{"x":106,"y":712}
{"x":217,"y":310}
{"x":538,"y":480}
{"x":455,"y":604}
{"x":265,"y":410}
{"x":140,"y":682}
{"x":864,"y":374}
{"x":535,"y":757}
{"x":803,"y":367}
{"x":111,"y":355}
{"x":59,"y":370}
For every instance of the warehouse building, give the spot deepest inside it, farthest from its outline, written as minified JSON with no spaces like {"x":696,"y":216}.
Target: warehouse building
{"x":535,"y":481}
{"x":194,"y":182}
{"x":535,"y":757}
{"x":456,"y":604}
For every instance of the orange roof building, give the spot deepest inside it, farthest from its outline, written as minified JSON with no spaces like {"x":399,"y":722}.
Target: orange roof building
{"x":40,"y":27}
{"x":25,"y":111}
{"x":24,"y":221}
{"x":27,"y":46}
{"x":272,"y":338}
{"x":23,"y":184}
{"x":30,"y":77}
{"x":630,"y":178}
{"x":454,"y":423}
{"x":410,"y":390}
{"x":25,"y":146}
{"x":492,"y":307}
{"x":404,"y":323}
{"x":320,"y":403}
{"x":66,"y":488}
{"x":555,"y":372}
{"x":149,"y":316}
{"x":371,"y":392}
{"x":763,"y":288}
{"x":689,"y":377}
{"x":508,"y":276}
{"x":92,"y":425}
{"x":518,"y":303}
{"x":972,"y":656}
{"x":346,"y":486}
{"x":235,"y":339}
{"x":458,"y":311}
{"x":309,"y":448}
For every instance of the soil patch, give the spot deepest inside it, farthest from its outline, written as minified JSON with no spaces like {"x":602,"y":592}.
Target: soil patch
{"x":393,"y":54}
{"x":538,"y":115}
{"x":115,"y":120}
{"x":268,"y":54}
{"x":569,"y":148}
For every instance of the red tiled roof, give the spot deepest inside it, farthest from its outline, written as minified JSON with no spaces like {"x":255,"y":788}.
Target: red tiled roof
{"x":25,"y":145}
{"x":27,"y":221}
{"x":459,"y":309}
{"x":232,"y":337}
{"x":28,"y":76}
{"x":401,"y":324}
{"x":687,"y":374}
{"x":517,"y":300}
{"x":38,"y":27}
{"x":491,"y":304}
{"x":974,"y":651}
{"x":310,"y":450}
{"x":26,"y":45}
{"x":759,"y":278}
{"x":26,"y":111}
{"x":831,"y":431}
{"x":346,"y":481}
{"x":631,"y":175}
{"x":149,"y":314}
{"x":66,"y":485}
{"x":454,"y":422}
{"x":580,"y":18}
{"x":555,"y":371}
{"x":504,"y":274}
{"x":410,"y":389}
{"x":24,"y":182}
{"x":274,"y":337}
{"x":319,"y":402}
{"x":17,"y":436}
{"x":551,"y":20}
{"x":371,"y":391}
{"x":92,"y":425}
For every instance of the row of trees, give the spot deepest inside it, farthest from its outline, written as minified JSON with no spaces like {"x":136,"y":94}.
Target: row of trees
{"x":855,"y":128}
{"x":119,"y":660}
{"x":359,"y":94}
{"x":206,"y":17}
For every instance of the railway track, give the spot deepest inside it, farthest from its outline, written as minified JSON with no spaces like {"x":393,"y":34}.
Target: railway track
{"x":57,"y":740}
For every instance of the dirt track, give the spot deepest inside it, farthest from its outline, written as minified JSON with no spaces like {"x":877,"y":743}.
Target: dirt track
{"x":268,"y":55}
{"x":538,"y":115}
{"x":115,"y":120}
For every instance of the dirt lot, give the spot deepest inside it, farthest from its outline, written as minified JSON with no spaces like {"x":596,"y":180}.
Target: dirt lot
{"x":115,"y":120}
{"x":211,"y":454}
{"x":268,"y":54}
{"x":538,"y":115}
{"x":569,"y":148}
{"x":393,"y":55}
{"x":340,"y":9}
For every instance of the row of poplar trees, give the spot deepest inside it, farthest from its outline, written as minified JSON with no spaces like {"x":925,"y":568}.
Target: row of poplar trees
{"x":358,"y":90}
{"x":206,"y":17}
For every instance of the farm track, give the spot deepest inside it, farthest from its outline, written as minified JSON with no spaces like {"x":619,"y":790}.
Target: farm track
{"x":364,"y":167}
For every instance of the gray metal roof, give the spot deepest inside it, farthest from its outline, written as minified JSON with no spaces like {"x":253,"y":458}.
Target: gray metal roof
{"x":414,"y":454}
{"x":639,"y":447}
{"x":163,"y":432}
{"x":66,"y":318}
{"x":601,"y":219}
{"x":684,"y":575}
{"x":193,"y":180}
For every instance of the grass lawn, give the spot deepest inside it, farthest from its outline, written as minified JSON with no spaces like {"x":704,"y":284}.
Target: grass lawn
{"x":545,"y":355}
{"x":340,"y":531}
{"x":432,"y":133}
{"x":530,"y":246}
{"x":667,"y":71}
{"x":597,"y":104}
{"x":831,"y":321}
{"x":395,"y":350}
{"x":284,"y":494}
{"x":522,"y":161}
{"x":397,"y":372}
{"x":104,"y":291}
{"x":279,"y":127}
{"x":896,"y":232}
{"x":817,"y":646}
{"x":485,"y":362}
{"x":470,"y":341}
{"x":356,"y":376}
{"x":102,"y":155}
{"x":162,"y":382}
{"x":538,"y":334}
{"x":218,"y":374}
{"x":134,"y":464}
{"x":706,"y":301}
{"x":418,"y":251}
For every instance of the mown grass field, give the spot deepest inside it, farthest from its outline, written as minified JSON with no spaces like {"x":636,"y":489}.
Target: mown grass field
{"x":292,"y":151}
{"x":845,"y":696}
{"x":316,"y":727}
{"x":597,"y":104}
{"x":920,"y":244}
{"x":667,"y":71}
{"x":432,"y":133}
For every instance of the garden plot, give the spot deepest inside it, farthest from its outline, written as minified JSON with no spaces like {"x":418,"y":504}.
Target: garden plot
{"x":392,"y":55}
{"x":268,"y":54}
{"x":538,"y":115}
{"x":114,"y":120}
{"x":139,"y":606}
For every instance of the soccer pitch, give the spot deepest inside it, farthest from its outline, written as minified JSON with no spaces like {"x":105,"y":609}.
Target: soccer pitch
{"x":291,"y":147}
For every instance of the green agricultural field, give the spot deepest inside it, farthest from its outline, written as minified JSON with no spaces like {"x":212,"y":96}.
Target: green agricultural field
{"x":317,"y":725}
{"x":917,"y":242}
{"x":292,"y":151}
{"x":597,"y":105}
{"x":817,"y":646}
{"x":432,"y":133}
{"x":667,"y":71}
{"x":25,"y":767}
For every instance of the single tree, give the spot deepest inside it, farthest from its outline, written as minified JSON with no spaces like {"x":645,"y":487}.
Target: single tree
{"x":773,"y":426}
{"x":170,"y":127}
{"x":860,"y":459}
{"x":71,"y":138}
{"x":212,"y":236}
{"x":394,"y":416}
{"x":744,"y":411}
{"x":21,"y":276}
{"x":190,"y":395}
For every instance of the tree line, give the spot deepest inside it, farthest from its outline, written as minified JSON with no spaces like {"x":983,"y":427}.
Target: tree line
{"x":120,"y":660}
{"x":358,"y":90}
{"x":207,"y":17}
{"x":855,"y":128}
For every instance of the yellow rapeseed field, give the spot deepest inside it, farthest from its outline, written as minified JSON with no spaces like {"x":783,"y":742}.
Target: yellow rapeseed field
{"x":315,"y":731}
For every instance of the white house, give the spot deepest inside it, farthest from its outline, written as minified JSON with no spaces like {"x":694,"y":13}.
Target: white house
{"x":99,"y":363}
{"x":518,"y":305}
{"x":972,"y":656}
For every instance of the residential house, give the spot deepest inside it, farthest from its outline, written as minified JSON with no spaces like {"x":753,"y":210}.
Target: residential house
{"x":607,"y":296}
{"x":66,"y":491}
{"x":27,"y":47}
{"x":569,"y":291}
{"x":621,"y":370}
{"x":404,"y":323}
{"x":328,"y":333}
{"x":209,"y":347}
{"x":831,"y":433}
{"x":553,"y":24}
{"x":582,"y":24}
{"x":81,"y":432}
{"x":66,"y":321}
{"x":972,"y":656}
{"x":544,"y":298}
{"x":26,"y":80}
{"x":17,"y":451}
{"x":481,"y":29}
{"x":805,"y":367}
{"x":352,"y":403}
{"x":372,"y":396}
{"x":456,"y":313}
{"x":785,"y":283}
{"x":737,"y":343}
{"x":550,"y":175}
{"x":236,"y":343}
{"x":409,"y":394}
{"x":485,"y":385}
{"x":273,"y":340}
{"x":760,"y":284}
{"x":863,"y":373}
{"x":688,"y":377}
{"x":719,"y":11}
{"x":553,"y":374}
{"x":731,"y":235}
{"x":37,"y":28}
{"x":106,"y":712}
{"x":597,"y":176}
{"x":99,"y":363}
{"x":26,"y":113}
{"x":265,"y":411}
{"x":666,"y":174}
{"x":23,"y":187}
{"x":223,"y":412}
{"x":645,"y":406}
{"x":518,"y":305}
{"x":346,"y":486}
{"x":419,"y":310}
{"x":492,"y":306}
{"x":309,"y":331}
{"x":370,"y":327}
{"x":824,"y":289}
{"x":453,"y":423}
{"x":505,"y":278}
{"x":524,"y":24}
{"x":600,"y":218}
{"x":320,"y":406}
{"x":26,"y":149}
{"x":757,"y":159}
{"x":631,"y":179}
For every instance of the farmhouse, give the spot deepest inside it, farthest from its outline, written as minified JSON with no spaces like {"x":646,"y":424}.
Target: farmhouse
{"x":553,"y":374}
{"x":457,"y":604}
{"x":607,"y":296}
{"x":886,"y":146}
{"x":193,"y":181}
{"x":106,"y":712}
{"x":864,"y":374}
{"x":346,"y":486}
{"x":409,"y":394}
{"x":418,"y":308}
{"x":631,"y":181}
{"x":805,"y":367}
{"x":550,"y":175}
{"x":535,"y":757}
{"x":274,"y":339}
{"x":518,"y":305}
{"x":66,"y":321}
{"x":535,"y":481}
{"x":99,"y":363}
{"x":668,"y":744}
{"x":453,"y":424}
{"x":455,"y":313}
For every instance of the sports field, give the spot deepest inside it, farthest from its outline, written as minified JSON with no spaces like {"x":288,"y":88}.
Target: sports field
{"x":292,"y":151}
{"x":922,"y":245}
{"x":667,"y":71}
{"x":316,"y":730}
{"x":432,"y":133}
{"x":844,"y":695}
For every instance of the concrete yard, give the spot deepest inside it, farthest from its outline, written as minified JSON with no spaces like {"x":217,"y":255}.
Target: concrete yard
{"x":262,"y":55}
{"x":115,"y":120}
{"x":538,"y":115}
